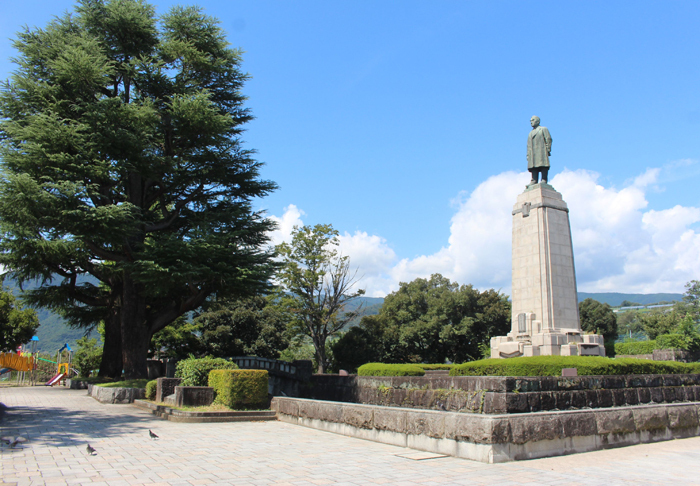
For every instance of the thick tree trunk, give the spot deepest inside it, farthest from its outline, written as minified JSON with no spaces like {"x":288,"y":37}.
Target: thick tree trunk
{"x":112,"y":351}
{"x":136,"y":334}
{"x":320,"y":345}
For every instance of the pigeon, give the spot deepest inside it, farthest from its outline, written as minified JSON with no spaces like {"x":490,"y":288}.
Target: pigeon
{"x":153,"y":436}
{"x":90,"y":450}
{"x":441,"y":406}
{"x":13,"y":441}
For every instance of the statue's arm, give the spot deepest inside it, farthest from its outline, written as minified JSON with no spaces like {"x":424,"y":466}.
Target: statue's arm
{"x":547,"y":140}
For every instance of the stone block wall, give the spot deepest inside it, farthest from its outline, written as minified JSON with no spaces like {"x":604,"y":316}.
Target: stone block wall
{"x":501,"y":394}
{"x":496,"y":438}
{"x":166,"y":387}
{"x":194,"y":396}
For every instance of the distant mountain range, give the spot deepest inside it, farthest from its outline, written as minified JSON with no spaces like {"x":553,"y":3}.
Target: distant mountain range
{"x":54,"y":332}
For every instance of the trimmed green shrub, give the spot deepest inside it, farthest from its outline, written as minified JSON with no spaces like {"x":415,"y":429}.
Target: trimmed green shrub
{"x":635,"y":347}
{"x":435,"y":366}
{"x":382,"y":369}
{"x":672,"y":341}
{"x":239,"y":389}
{"x":195,"y":371}
{"x":586,"y":365}
{"x":151,"y":389}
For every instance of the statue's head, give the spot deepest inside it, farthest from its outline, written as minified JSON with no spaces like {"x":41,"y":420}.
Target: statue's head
{"x":535,"y":121}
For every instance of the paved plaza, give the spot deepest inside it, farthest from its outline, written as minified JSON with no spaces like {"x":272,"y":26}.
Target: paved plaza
{"x":58,"y":424}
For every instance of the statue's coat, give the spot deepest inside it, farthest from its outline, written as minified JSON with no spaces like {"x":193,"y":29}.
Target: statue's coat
{"x":539,"y":146}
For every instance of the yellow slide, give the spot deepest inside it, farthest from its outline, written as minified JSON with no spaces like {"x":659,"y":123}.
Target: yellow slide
{"x":16,"y":362}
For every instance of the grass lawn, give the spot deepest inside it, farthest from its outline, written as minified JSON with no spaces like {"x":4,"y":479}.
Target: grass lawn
{"x":126,"y":384}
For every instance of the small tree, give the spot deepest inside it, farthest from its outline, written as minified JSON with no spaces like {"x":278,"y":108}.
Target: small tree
{"x":319,"y":284}
{"x":17,"y":326}
{"x":598,"y":317}
{"x":88,"y":356}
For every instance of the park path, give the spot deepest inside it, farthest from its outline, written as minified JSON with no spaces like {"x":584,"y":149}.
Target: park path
{"x":59,"y":423}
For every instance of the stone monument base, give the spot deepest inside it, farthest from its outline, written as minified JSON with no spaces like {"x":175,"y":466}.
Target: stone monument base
{"x":551,"y":342}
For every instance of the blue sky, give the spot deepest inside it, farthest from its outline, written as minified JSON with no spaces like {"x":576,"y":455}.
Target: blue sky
{"x":403,"y":124}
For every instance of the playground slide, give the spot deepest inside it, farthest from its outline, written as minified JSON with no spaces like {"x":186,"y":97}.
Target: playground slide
{"x":58,"y":377}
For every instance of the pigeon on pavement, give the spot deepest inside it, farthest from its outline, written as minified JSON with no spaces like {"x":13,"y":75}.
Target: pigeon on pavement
{"x":90,"y":450}
{"x":13,"y":441}
{"x":153,"y":436}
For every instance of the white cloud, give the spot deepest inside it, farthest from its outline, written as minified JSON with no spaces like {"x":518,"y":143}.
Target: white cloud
{"x":285,"y":224}
{"x":619,"y":244}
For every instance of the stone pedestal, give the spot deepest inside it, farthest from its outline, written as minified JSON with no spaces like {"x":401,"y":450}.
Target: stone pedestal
{"x":545,"y":318}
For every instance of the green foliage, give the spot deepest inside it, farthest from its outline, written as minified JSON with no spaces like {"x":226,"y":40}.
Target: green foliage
{"x":627,"y":303}
{"x":195,"y":371}
{"x":17,"y":326}
{"x":226,"y":328}
{"x":427,"y":367}
{"x":429,"y":321}
{"x":672,"y":341}
{"x":88,"y":356}
{"x":635,"y":347}
{"x":382,"y":369}
{"x":318,"y":286}
{"x":139,"y":383}
{"x":122,"y":159}
{"x":586,"y":366}
{"x":240,"y":389}
{"x":598,"y":318}
{"x":658,"y":322}
{"x":151,"y":389}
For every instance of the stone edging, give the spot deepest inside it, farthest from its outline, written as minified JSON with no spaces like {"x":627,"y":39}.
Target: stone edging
{"x":496,"y":438}
{"x":105,"y":394}
{"x":175,"y":415}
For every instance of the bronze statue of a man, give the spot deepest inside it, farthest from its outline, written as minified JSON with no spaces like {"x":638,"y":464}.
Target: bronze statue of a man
{"x":539,"y":148}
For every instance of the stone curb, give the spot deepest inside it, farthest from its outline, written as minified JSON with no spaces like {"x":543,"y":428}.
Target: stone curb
{"x":175,"y":415}
{"x":496,"y":438}
{"x":116,"y":395}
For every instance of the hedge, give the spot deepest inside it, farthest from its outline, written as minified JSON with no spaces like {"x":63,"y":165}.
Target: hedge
{"x":239,"y":389}
{"x":195,"y":371}
{"x":672,"y":341}
{"x":586,"y":365}
{"x":635,"y":347}
{"x":382,"y":369}
{"x":435,"y":366}
{"x":151,"y":389}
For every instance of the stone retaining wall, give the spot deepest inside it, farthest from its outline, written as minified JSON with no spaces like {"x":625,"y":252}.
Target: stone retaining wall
{"x":116,"y":395}
{"x":496,"y":438}
{"x":503,"y":394}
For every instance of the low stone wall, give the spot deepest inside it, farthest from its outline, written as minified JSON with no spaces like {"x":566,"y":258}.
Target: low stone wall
{"x":495,"y":438}
{"x":166,"y":387}
{"x":194,"y":396}
{"x":504,"y":394}
{"x":116,"y":395}
{"x":175,"y":415}
{"x":76,"y":384}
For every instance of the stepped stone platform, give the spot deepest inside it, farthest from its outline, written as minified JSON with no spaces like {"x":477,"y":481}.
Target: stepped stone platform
{"x":496,"y":438}
{"x":175,"y":415}
{"x":507,"y":395}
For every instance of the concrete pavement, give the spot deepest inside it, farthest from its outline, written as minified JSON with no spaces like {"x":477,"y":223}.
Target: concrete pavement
{"x":58,"y":423}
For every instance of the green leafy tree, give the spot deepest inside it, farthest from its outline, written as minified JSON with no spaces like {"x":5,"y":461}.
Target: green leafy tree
{"x":122,"y":159}
{"x":427,"y":320}
{"x":659,"y":322}
{"x":17,"y":326}
{"x":629,"y":322}
{"x":691,"y":301}
{"x":318,"y":284}
{"x":88,"y":356}
{"x":597,"y":317}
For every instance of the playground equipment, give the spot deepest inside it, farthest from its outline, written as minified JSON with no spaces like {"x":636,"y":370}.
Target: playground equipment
{"x":23,"y":361}
{"x":62,"y":369}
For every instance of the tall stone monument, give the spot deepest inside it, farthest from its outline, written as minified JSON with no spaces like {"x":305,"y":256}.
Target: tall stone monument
{"x":545,"y":318}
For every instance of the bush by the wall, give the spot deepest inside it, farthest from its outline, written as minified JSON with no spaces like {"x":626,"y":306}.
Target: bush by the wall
{"x":151,"y":389}
{"x":672,"y":341}
{"x":240,"y":389}
{"x":435,"y":366}
{"x":586,"y":366}
{"x":635,"y":347}
{"x":382,"y":369}
{"x":195,"y":371}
